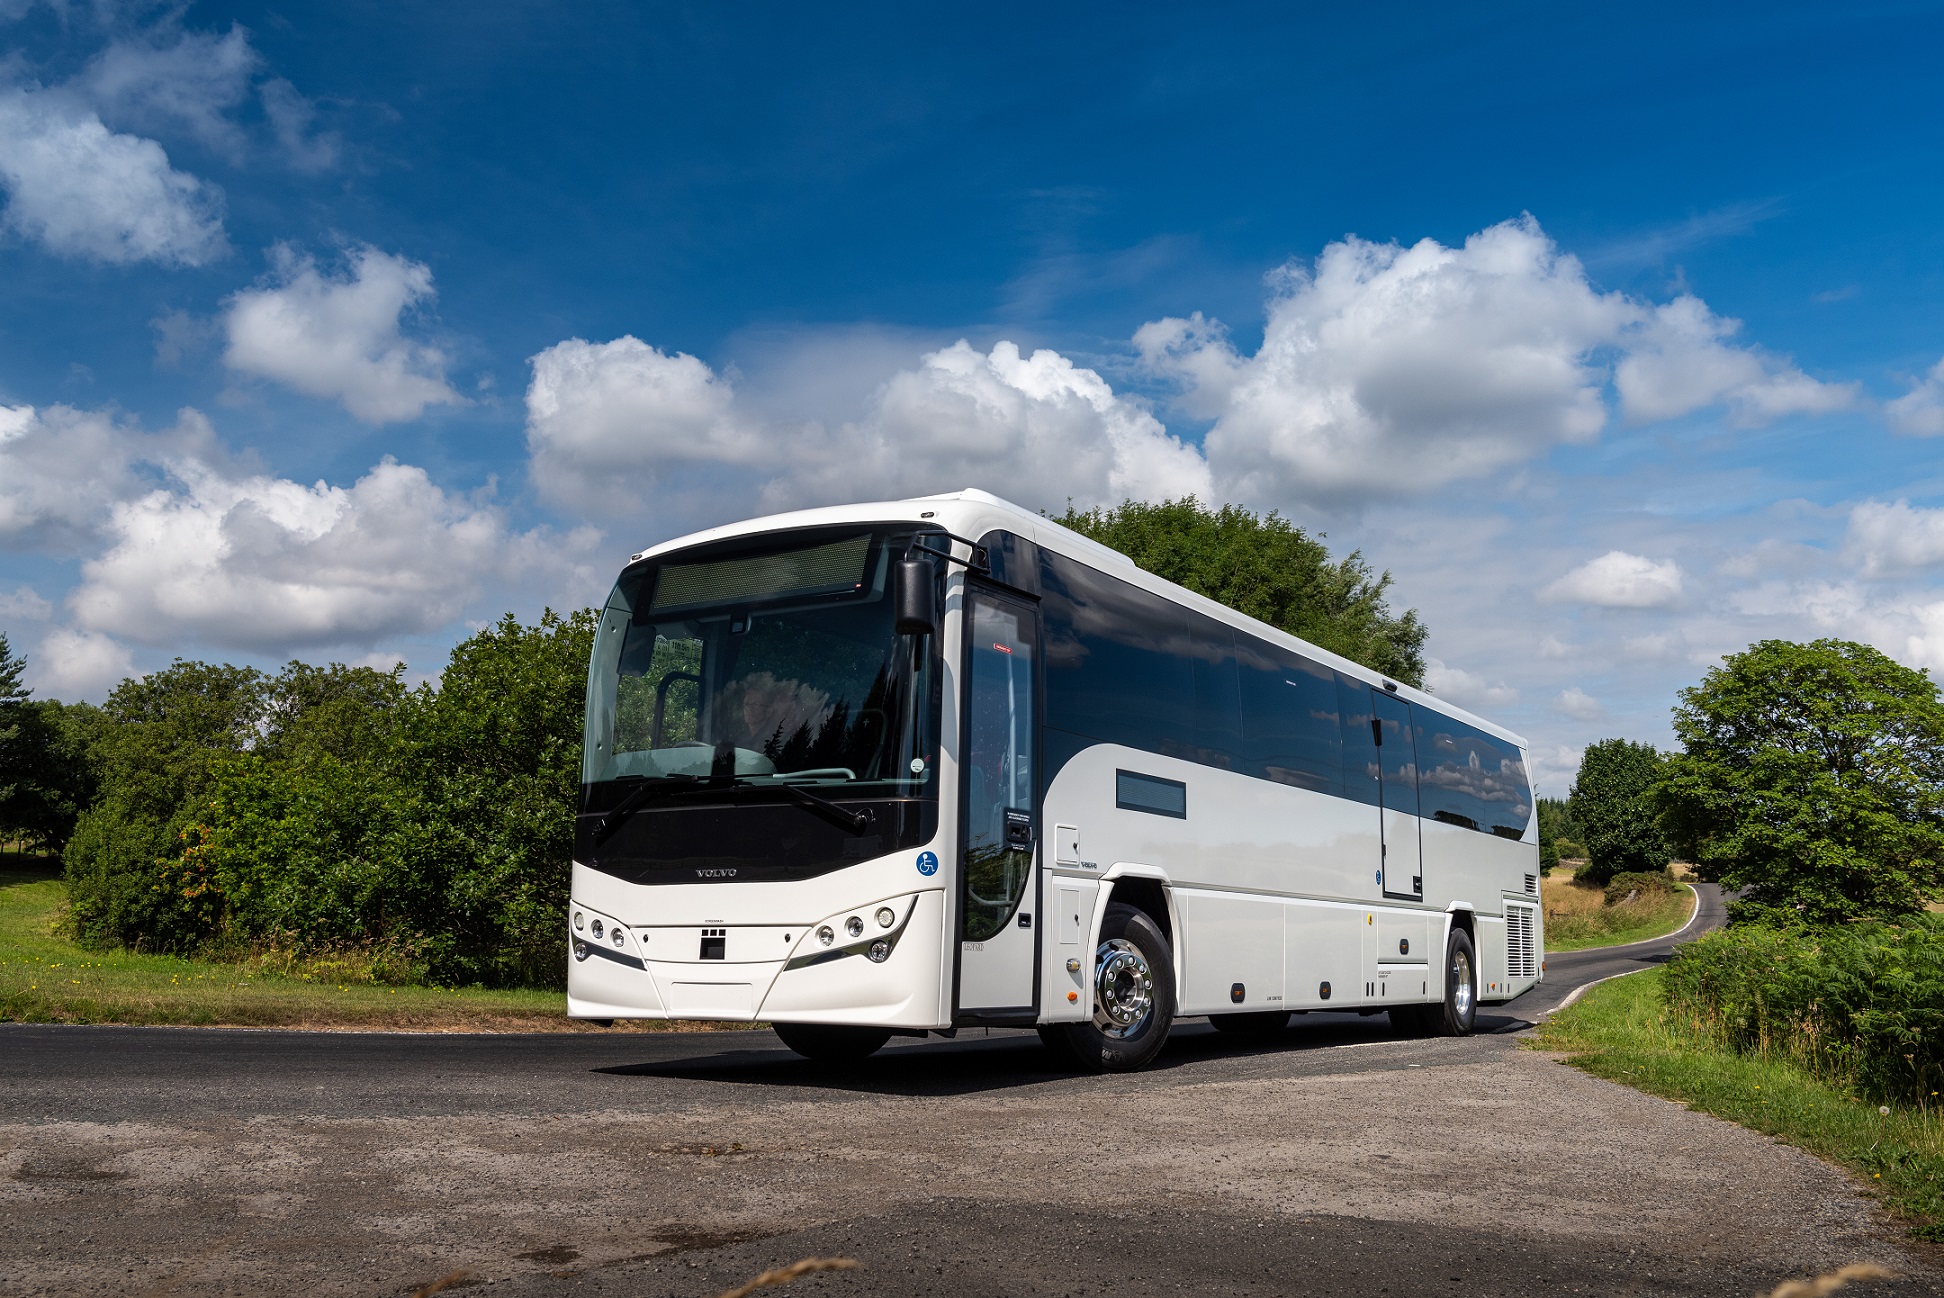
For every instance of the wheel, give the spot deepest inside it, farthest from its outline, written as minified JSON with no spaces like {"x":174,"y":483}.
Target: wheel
{"x":830,"y":1044}
{"x":1459,"y":1012}
{"x":1256,"y":1023}
{"x":1134,"y":996}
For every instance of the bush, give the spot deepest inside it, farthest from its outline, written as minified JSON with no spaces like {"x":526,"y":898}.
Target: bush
{"x":1640,"y":883}
{"x":1860,"y":1004}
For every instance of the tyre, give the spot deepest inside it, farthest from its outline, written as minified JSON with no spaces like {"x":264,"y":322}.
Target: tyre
{"x":1256,"y":1023}
{"x":830,"y":1044}
{"x":1134,"y":997}
{"x":1458,"y":1014}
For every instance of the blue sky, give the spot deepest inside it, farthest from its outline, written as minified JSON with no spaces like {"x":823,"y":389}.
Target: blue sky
{"x":334,"y":331}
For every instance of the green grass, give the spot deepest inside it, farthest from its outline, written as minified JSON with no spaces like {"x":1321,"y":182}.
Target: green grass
{"x":1575,"y":927}
{"x":1618,"y":1031}
{"x":45,"y":978}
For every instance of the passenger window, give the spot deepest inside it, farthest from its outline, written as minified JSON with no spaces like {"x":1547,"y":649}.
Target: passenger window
{"x":1116,"y":666}
{"x":1291,"y":719}
{"x":1470,"y":778}
{"x":1397,"y":753}
{"x":1361,"y":768}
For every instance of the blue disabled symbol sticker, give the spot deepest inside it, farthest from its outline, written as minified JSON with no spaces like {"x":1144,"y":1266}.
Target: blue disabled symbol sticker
{"x":928,"y":864}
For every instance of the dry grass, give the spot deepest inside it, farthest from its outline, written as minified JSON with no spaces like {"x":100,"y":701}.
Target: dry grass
{"x":1577,"y":915}
{"x":45,"y":978}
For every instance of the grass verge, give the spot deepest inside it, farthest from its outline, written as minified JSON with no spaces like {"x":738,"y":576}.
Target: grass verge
{"x":1578,"y":917}
{"x":1618,"y":1031}
{"x":44,"y":978}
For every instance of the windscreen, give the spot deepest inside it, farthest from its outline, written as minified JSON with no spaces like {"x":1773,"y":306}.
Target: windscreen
{"x":760,"y":664}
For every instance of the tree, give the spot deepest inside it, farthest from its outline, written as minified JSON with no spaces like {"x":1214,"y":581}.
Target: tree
{"x":1555,"y":827}
{"x":1813,"y":777}
{"x":1613,"y":808}
{"x":16,"y":757}
{"x":1267,"y":567}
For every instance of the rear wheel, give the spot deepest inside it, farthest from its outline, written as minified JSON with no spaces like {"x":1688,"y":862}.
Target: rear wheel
{"x":1256,"y":1023}
{"x":832,"y":1044}
{"x":1459,"y":1013}
{"x":1134,"y":997}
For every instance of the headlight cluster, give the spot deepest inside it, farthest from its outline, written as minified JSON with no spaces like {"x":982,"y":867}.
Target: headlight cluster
{"x":877,"y":949}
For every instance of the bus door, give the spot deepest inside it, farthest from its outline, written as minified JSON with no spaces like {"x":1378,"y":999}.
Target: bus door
{"x":999,"y":838}
{"x":1397,"y":757}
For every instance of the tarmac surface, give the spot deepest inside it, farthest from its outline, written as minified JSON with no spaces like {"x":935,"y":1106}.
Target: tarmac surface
{"x":1333,"y":1159}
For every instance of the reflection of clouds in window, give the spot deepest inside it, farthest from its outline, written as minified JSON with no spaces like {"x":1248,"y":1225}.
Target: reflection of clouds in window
{"x":1473,"y":783}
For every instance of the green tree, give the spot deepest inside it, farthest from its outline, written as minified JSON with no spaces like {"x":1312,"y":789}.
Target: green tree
{"x":1555,"y":827}
{"x":1267,"y":567}
{"x":1813,"y":777}
{"x":1612,"y":806}
{"x":167,"y":735}
{"x":17,"y":748}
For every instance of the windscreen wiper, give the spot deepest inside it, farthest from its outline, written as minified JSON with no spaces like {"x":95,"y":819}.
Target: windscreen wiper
{"x":855,"y":821}
{"x":618,"y":814}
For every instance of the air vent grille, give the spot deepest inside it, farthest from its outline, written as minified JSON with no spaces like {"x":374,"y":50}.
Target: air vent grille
{"x":1532,"y":884}
{"x":1521,"y":957}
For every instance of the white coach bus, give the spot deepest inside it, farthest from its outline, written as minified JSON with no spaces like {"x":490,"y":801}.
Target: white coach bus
{"x":941,"y":763}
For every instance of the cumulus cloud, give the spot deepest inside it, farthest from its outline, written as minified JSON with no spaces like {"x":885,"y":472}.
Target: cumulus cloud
{"x":1386,"y":369}
{"x":84,"y":191}
{"x":72,"y":664}
{"x":1895,"y":537}
{"x":1618,"y":580}
{"x":192,"y":83}
{"x":1920,"y":412}
{"x":24,"y":605}
{"x":62,"y":470}
{"x":1466,"y":689}
{"x":1578,"y":704}
{"x":609,"y":423}
{"x":265,"y":563}
{"x":338,"y":336}
{"x":1679,"y":360}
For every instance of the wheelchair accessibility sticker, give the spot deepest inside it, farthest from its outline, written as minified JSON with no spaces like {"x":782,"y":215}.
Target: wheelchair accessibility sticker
{"x":927,"y":864}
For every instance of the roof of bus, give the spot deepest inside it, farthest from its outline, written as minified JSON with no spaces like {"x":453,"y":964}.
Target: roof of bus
{"x":973,"y":513}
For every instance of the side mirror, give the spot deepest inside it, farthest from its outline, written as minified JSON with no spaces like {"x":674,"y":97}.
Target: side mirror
{"x":914,"y":590}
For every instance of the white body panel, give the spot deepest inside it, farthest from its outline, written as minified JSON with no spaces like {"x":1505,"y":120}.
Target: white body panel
{"x":1276,"y":889}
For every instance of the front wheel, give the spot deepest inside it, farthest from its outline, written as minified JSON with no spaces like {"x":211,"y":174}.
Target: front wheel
{"x":831,"y":1044}
{"x":1134,"y":997}
{"x":1459,"y":1013}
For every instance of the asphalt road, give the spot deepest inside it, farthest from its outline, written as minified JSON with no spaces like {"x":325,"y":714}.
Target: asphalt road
{"x":1334,"y":1159}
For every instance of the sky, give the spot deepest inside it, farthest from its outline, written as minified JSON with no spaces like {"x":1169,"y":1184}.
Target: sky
{"x":1611,"y":332}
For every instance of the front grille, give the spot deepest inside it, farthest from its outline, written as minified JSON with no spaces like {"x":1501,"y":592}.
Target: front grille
{"x":1521,"y":957}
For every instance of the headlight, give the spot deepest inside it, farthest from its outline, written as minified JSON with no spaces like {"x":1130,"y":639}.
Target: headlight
{"x":886,"y":917}
{"x":880,"y":951}
{"x":596,"y":929}
{"x":854,"y":926}
{"x":580,"y":920}
{"x":617,"y":937}
{"x":580,"y":949}
{"x":825,"y":936}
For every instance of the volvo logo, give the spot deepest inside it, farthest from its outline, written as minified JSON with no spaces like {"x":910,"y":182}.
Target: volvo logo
{"x":715,"y":874}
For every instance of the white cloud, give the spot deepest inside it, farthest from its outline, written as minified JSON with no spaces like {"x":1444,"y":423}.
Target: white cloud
{"x":25,"y":605}
{"x":269,"y":564}
{"x":1578,"y":704}
{"x":1619,"y":580}
{"x":62,"y":469}
{"x":70,"y":664}
{"x":338,"y":336}
{"x":1920,"y":412}
{"x":1386,"y":370}
{"x":192,"y":84}
{"x":82,"y":190}
{"x":610,"y":423}
{"x":1895,"y":537}
{"x":292,"y":117}
{"x":1679,"y":360}
{"x":1466,"y":689}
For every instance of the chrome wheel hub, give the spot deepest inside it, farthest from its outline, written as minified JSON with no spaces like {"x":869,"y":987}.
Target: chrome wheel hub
{"x":1461,"y":983}
{"x":1123,"y":988}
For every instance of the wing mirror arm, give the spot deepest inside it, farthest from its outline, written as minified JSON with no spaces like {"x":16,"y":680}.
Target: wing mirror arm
{"x":915,"y":586}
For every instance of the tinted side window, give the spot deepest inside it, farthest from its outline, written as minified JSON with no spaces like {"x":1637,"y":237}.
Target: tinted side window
{"x":1467,"y":777}
{"x":1360,"y":758}
{"x":1290,"y":718}
{"x":1398,"y":753}
{"x":1125,"y":666}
